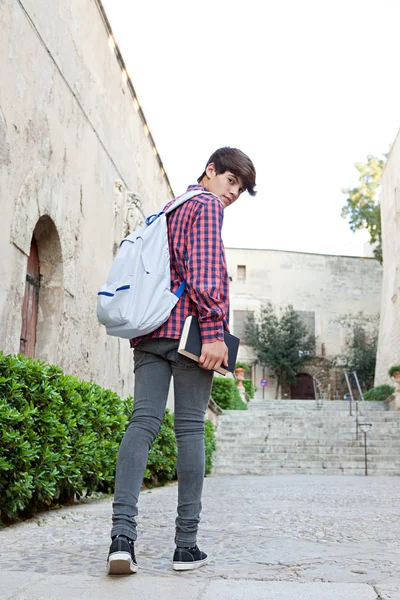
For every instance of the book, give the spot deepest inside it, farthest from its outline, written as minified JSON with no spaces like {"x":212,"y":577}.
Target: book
{"x":190,"y":344}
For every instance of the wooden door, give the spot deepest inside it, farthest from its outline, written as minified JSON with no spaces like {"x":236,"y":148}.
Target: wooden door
{"x":30,"y":303}
{"x":303,"y":388}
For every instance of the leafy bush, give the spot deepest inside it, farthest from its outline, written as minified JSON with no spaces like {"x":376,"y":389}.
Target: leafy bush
{"x":249,"y":387}
{"x":226,"y":394}
{"x":379,"y":393}
{"x":59,"y":436}
{"x":210,"y":444}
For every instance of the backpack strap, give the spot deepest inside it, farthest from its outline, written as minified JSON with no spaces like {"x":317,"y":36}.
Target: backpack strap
{"x":187,"y":196}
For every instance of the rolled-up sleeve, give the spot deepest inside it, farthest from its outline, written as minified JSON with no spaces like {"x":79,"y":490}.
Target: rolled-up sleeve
{"x":205,"y":260}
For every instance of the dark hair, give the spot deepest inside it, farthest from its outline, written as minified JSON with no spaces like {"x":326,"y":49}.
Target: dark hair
{"x":237,"y":162}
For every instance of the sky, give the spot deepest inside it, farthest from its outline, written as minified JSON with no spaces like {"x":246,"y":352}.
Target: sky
{"x":306,"y":89}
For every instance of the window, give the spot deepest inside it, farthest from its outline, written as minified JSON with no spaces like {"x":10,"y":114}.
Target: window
{"x":241,"y":272}
{"x":239,"y":323}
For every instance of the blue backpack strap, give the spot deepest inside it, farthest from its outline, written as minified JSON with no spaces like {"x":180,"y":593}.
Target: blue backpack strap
{"x":180,"y":289}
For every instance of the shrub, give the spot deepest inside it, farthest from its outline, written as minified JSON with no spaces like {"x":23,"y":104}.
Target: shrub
{"x":210,"y":444}
{"x":60,"y":436}
{"x":379,"y":393}
{"x":393,"y":370}
{"x":249,"y":387}
{"x":225,"y":393}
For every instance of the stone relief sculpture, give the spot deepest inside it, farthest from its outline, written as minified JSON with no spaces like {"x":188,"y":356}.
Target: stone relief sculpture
{"x":128,"y":212}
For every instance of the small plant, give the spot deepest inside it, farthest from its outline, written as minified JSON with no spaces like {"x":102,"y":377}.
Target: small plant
{"x":393,"y":370}
{"x":243,"y":365}
{"x":380,"y":393}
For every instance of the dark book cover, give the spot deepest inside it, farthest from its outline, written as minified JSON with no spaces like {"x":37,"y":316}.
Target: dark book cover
{"x":190,"y":344}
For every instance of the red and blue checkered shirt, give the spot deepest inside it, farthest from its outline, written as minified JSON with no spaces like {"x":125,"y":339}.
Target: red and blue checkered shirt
{"x":197,"y":255}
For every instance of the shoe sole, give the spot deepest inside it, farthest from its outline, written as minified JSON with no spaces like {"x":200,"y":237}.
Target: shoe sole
{"x":189,"y":566}
{"x":121,"y":563}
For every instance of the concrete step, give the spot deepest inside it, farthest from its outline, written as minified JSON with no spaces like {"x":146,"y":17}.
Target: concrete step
{"x":289,"y":437}
{"x":359,"y":470}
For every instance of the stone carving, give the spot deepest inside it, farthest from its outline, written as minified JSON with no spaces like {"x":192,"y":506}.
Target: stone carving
{"x":134,"y":216}
{"x":128,"y":212}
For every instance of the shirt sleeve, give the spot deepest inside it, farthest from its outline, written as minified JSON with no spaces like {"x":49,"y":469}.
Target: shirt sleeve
{"x":205,"y":259}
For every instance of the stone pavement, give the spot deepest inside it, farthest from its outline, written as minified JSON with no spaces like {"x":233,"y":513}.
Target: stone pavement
{"x":280,"y":538}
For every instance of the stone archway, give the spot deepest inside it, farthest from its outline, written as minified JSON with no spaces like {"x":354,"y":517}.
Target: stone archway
{"x":50,"y":303}
{"x":318,"y":371}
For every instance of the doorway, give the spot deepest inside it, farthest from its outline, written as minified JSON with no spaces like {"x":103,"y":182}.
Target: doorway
{"x":303,"y":389}
{"x":30,"y":304}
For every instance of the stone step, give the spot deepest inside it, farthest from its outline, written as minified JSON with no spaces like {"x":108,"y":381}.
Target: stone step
{"x":303,"y":450}
{"x":359,"y":470}
{"x":289,"y":437}
{"x":303,"y":444}
{"x":312,"y":405}
{"x":309,"y":463}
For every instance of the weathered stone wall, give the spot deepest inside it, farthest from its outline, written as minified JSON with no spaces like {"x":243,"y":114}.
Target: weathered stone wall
{"x":329,"y":286}
{"x":78,"y":167}
{"x":389,"y":332}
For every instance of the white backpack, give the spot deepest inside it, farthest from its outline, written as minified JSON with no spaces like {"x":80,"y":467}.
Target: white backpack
{"x":137,"y":297}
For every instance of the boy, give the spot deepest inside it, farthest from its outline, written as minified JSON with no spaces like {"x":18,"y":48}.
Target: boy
{"x":198,"y":256}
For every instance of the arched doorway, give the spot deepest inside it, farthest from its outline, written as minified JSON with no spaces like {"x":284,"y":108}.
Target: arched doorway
{"x":30,"y":303}
{"x":43,"y":300}
{"x":303,"y":389}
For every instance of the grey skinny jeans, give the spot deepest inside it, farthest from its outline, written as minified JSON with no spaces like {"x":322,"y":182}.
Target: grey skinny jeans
{"x":156,"y":360}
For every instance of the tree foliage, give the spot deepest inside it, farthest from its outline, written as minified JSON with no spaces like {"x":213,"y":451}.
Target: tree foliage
{"x":362,"y":205}
{"x":281,"y":341}
{"x":362,"y":344}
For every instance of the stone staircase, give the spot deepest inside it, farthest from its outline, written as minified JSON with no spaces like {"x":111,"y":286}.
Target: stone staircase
{"x":305,"y":437}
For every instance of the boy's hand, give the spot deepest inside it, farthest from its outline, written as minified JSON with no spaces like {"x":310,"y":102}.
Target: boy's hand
{"x":213,"y":355}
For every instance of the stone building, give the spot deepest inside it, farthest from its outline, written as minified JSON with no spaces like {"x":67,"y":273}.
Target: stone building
{"x":322,"y":288}
{"x":389,"y":332}
{"x":78,"y":170}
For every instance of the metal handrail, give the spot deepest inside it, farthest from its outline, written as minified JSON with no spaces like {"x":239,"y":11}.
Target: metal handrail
{"x":367,"y":424}
{"x":317,"y":392}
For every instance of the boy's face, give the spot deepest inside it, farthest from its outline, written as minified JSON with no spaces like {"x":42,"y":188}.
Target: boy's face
{"x":226,"y":186}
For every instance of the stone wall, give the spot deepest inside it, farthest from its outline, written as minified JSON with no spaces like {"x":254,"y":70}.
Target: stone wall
{"x":389,"y":333}
{"x":79,"y":168}
{"x":322,"y":287}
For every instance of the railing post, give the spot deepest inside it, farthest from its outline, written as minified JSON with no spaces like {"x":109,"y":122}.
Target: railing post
{"x":365,"y":453}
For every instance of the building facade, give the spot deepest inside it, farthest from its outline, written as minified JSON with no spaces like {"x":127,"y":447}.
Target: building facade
{"x":389,"y":331}
{"x":78,"y":171}
{"x":322,"y":288}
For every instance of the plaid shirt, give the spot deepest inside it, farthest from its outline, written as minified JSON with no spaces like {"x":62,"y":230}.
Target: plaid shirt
{"x":197,"y":255}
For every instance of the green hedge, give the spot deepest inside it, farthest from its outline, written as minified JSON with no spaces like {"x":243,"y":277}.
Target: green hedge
{"x":249,"y":387}
{"x":379,"y":393}
{"x":59,"y":436}
{"x":226,"y":394}
{"x":210,"y":444}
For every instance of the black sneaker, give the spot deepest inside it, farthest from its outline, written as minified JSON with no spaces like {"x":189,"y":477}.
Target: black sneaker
{"x":121,"y":558}
{"x":186,"y":559}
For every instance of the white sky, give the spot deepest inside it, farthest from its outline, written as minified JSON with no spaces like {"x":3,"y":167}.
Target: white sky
{"x":305,"y":88}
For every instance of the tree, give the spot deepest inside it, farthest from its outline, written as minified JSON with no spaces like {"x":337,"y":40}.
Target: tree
{"x":362,"y":207}
{"x":281,"y":341}
{"x":362,"y":344}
